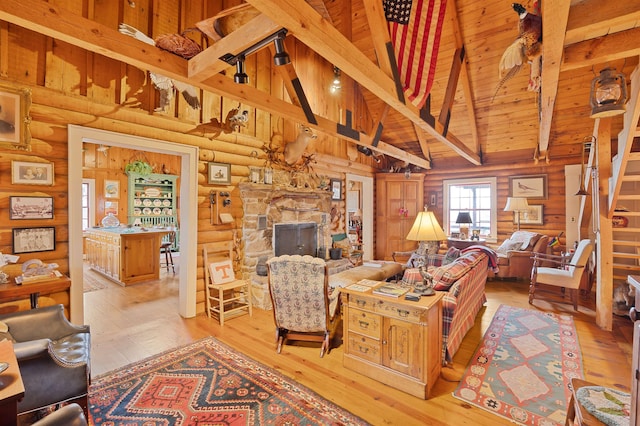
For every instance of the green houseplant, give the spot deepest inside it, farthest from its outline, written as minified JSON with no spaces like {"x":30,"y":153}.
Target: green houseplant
{"x":140,"y":167}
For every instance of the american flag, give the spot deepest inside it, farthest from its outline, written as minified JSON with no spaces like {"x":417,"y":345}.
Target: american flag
{"x":415,"y":27}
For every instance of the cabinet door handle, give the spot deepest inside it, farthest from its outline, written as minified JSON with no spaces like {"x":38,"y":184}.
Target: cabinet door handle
{"x":363,"y":349}
{"x":361,"y":303}
{"x":363,"y":324}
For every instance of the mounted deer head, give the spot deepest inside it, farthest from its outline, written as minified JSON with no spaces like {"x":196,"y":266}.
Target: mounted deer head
{"x":293,"y":150}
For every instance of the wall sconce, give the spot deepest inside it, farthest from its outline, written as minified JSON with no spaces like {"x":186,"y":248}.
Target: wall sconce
{"x":280,"y":58}
{"x":608,"y":94}
{"x":336,"y":84}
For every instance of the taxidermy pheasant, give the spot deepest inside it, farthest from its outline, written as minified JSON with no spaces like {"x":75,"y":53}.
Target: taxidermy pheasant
{"x":527,"y":47}
{"x":165,"y":85}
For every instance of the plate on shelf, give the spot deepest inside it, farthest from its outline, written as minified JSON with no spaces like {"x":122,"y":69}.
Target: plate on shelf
{"x":152,"y":192}
{"x":157,"y":202}
{"x":137,"y":212}
{"x":157,"y":211}
{"x":166,"y":203}
{"x":146,"y":211}
{"x":167,"y":212}
{"x":137,"y":202}
{"x":147,"y":202}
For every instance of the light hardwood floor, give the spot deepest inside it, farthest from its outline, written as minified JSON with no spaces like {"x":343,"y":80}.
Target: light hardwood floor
{"x":136,"y":322}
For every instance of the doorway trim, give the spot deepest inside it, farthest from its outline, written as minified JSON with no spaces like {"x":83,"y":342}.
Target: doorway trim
{"x":367,"y":212}
{"x":188,"y":215}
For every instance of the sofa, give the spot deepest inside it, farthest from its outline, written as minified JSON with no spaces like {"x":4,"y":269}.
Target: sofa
{"x":515,"y":254}
{"x":463,"y":279}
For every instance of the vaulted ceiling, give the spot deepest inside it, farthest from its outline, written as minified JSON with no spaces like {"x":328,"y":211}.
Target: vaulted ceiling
{"x":470,"y":125}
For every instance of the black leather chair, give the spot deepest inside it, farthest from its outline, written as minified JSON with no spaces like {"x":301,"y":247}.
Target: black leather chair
{"x":68,"y":415}
{"x":53,"y":355}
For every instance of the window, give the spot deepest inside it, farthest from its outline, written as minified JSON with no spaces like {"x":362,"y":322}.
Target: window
{"x":88,"y":197}
{"x":476,"y":196}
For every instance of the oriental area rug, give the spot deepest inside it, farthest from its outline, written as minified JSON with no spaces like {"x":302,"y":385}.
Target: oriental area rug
{"x":523,"y":367}
{"x":207,"y":383}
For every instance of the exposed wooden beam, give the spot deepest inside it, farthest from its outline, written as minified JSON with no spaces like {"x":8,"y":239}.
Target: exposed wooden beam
{"x":601,"y":50}
{"x":467,"y":89}
{"x":309,"y":27}
{"x":555,"y":14}
{"x":379,"y":34}
{"x":589,"y":19}
{"x":208,"y":62}
{"x":59,"y":23}
{"x":450,"y":93}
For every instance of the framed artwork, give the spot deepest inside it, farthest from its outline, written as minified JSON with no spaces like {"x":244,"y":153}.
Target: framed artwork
{"x":29,"y":240}
{"x":532,"y":187}
{"x":533,"y":216}
{"x":433,"y":199}
{"x":111,"y":207}
{"x":336,"y":189}
{"x":219,"y":173}
{"x":30,"y":208}
{"x":25,"y":172}
{"x":14,"y":117}
{"x":111,"y":189}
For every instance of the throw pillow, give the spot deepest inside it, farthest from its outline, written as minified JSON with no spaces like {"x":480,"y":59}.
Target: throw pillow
{"x":445,"y":276}
{"x":451,"y":255}
{"x":221,"y":272}
{"x":508,"y":245}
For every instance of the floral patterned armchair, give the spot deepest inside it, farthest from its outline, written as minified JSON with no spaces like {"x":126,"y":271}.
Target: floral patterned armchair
{"x":300,"y":294}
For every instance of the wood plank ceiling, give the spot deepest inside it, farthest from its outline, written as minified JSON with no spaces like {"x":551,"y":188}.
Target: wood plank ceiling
{"x":580,"y":38}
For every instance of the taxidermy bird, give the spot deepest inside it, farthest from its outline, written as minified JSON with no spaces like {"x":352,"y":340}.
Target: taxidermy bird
{"x":526,"y":48}
{"x":165,"y":85}
{"x":234,"y":120}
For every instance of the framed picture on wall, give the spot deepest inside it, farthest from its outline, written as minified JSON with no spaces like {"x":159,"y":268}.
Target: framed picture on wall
{"x":336,"y":189}
{"x":25,"y":172}
{"x":111,"y":207}
{"x":533,"y":216}
{"x":30,"y":208}
{"x":14,"y":117}
{"x":531,"y":187}
{"x":219,"y":173}
{"x":29,"y":240}
{"x":111,"y":189}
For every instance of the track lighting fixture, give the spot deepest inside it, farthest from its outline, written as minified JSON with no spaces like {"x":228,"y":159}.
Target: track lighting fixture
{"x":240,"y":76}
{"x":280,"y":58}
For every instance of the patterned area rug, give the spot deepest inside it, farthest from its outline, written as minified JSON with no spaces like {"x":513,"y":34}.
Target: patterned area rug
{"x":523,"y":367}
{"x":207,"y":383}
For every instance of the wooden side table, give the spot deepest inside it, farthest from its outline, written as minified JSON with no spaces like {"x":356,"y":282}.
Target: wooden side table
{"x":11,"y":386}
{"x":12,"y":291}
{"x":463,"y":244}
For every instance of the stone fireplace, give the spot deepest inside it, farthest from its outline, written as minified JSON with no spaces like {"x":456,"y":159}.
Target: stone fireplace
{"x":299,"y":213}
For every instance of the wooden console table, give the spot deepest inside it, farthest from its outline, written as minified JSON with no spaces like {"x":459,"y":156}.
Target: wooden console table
{"x":11,"y":386}
{"x":392,"y":340}
{"x":12,"y":291}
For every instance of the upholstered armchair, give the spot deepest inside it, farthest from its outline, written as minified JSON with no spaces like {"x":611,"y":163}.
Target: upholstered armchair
{"x":300,"y":294}
{"x":67,"y":415}
{"x":53,"y":356}
{"x":515,"y":254}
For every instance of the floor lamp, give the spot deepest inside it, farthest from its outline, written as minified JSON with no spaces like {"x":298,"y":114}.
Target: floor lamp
{"x":425,"y":228}
{"x":517,"y":205}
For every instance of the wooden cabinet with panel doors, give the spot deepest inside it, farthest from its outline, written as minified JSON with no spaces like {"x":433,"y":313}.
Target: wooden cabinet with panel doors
{"x":399,"y":199}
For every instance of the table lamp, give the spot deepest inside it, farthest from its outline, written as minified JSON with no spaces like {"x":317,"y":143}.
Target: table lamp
{"x":425,"y":228}
{"x":517,"y":205}
{"x":464,"y":219}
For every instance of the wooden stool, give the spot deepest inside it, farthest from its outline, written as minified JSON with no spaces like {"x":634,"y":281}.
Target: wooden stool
{"x":576,"y":414}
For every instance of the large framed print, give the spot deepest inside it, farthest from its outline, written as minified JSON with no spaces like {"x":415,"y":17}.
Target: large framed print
{"x":30,"y":208}
{"x":219,"y":173}
{"x":26,"y":172}
{"x":29,"y":240}
{"x":532,"y":187}
{"x":14,"y":117}
{"x":534,"y":215}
